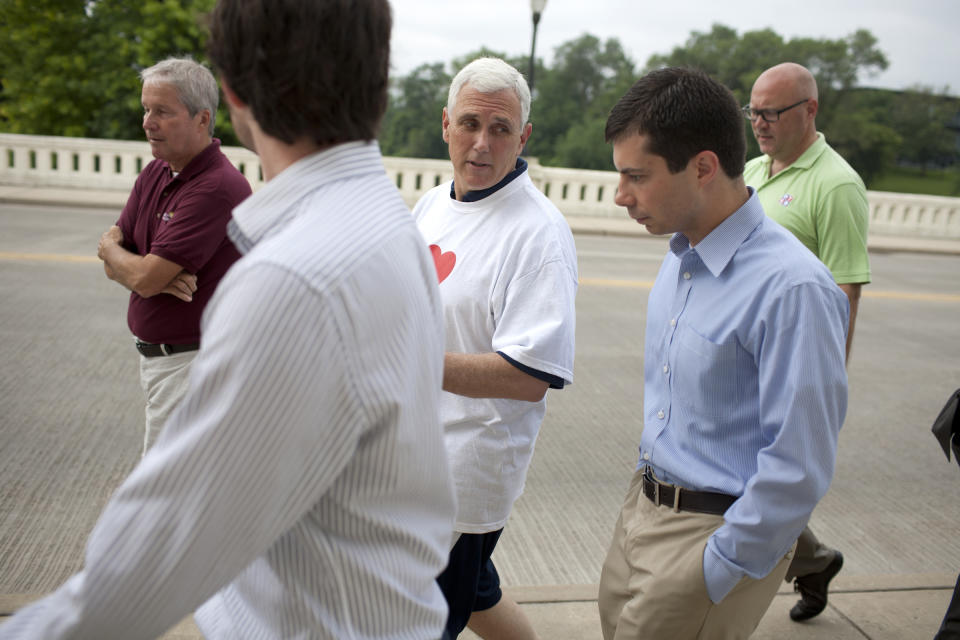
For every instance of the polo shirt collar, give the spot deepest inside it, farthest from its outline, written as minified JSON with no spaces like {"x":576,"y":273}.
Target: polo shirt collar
{"x":806,"y":159}
{"x":199,"y":163}
{"x":473,"y":196}
{"x":717,"y":249}
{"x":279,"y":201}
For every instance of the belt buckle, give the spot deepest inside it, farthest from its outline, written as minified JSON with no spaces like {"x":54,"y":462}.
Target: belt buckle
{"x":656,"y":491}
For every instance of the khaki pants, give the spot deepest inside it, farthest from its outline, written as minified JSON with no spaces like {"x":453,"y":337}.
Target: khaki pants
{"x":652,"y":584}
{"x":164,"y":382}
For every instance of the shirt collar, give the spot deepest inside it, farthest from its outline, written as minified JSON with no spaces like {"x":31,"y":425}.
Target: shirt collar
{"x":199,"y":163}
{"x":719,"y":246}
{"x":806,"y":159}
{"x":473,"y":196}
{"x":278,"y":201}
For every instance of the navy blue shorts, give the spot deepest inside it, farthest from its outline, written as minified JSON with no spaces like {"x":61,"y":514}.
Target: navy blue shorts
{"x":470,"y":582}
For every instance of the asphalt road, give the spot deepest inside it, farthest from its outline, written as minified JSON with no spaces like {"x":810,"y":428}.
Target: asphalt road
{"x":71,"y":411}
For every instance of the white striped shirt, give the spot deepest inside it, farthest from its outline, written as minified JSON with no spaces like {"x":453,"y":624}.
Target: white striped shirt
{"x":301,"y":489}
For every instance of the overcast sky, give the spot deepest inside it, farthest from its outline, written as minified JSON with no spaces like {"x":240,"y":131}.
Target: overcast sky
{"x":921,"y":38}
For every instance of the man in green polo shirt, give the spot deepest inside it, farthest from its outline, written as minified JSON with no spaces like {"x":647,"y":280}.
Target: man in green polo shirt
{"x":808,"y":188}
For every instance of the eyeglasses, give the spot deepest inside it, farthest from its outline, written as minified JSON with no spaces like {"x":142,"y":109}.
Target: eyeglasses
{"x":768,"y":115}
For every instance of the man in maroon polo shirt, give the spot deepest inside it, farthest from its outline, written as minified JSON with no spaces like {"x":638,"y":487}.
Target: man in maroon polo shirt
{"x":170,"y":247}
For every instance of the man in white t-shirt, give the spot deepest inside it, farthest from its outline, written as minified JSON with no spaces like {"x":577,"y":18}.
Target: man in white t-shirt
{"x":507,"y":269}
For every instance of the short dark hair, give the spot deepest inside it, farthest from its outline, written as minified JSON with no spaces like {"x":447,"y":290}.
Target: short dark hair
{"x":682,"y":112}
{"x":306,"y":68}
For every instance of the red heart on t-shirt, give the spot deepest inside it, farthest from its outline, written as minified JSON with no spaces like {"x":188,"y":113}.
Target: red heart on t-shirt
{"x":443,"y":262}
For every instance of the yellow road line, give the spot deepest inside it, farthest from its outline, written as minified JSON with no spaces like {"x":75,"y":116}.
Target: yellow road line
{"x":908,"y":295}
{"x":607,"y":282}
{"x":587,"y":282}
{"x":46,"y":257}
{"x":888,"y":295}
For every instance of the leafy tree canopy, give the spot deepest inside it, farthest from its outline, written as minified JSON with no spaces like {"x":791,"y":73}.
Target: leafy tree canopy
{"x":71,"y":67}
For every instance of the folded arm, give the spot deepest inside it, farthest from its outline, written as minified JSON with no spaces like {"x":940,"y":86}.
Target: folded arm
{"x":147,"y":275}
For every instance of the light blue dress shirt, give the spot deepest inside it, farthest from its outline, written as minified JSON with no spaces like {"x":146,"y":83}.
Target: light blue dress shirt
{"x":745,"y":385}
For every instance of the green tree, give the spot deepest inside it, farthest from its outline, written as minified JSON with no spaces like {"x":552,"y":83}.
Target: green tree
{"x":736,"y":60}
{"x":920,"y":116}
{"x":70,"y":67}
{"x":730,"y":58}
{"x":837,"y":64}
{"x":864,"y":141}
{"x":411,"y":125}
{"x":573,"y":99}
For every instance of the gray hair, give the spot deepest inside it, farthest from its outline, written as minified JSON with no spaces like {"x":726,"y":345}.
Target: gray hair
{"x":489,"y":75}
{"x":195,"y":84}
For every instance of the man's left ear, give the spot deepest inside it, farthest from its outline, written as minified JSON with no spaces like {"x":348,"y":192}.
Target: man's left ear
{"x":204,"y":118}
{"x":708,"y":165}
{"x":525,"y":134}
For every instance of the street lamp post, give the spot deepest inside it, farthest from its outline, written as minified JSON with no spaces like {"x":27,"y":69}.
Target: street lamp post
{"x":536,"y":7}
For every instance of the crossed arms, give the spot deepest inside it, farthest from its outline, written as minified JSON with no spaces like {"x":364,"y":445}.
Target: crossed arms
{"x":147,"y":275}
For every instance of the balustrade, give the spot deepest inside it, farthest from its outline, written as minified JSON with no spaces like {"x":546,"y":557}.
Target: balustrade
{"x":55,"y":162}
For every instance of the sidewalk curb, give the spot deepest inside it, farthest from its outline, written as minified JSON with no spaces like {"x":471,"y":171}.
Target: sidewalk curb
{"x":530,"y":594}
{"x":560,"y":593}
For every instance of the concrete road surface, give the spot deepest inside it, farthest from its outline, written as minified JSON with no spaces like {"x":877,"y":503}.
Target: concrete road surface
{"x":71,"y":422}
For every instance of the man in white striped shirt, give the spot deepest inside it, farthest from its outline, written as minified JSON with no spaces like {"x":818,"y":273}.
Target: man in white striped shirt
{"x":301,"y":489}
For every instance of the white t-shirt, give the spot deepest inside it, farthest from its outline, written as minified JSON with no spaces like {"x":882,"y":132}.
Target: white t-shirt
{"x":507,"y":268}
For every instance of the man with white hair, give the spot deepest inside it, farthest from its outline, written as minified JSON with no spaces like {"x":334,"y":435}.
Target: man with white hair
{"x":507,"y":269}
{"x":170,"y":245}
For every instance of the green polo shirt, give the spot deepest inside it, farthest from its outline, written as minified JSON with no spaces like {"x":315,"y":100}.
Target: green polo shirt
{"x":823,"y":202}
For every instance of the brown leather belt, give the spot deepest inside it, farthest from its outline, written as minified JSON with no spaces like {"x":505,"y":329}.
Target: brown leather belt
{"x":684,"y":499}
{"x":151,"y":350}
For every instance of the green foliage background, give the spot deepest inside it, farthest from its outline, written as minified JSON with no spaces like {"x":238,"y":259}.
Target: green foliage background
{"x":876,"y":130}
{"x":70,"y":67}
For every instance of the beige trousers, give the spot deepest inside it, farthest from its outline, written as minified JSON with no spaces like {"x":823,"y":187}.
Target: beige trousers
{"x":652,"y":584}
{"x":164,"y":383}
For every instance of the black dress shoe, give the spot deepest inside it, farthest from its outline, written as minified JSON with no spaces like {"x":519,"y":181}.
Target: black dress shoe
{"x":813,"y":591}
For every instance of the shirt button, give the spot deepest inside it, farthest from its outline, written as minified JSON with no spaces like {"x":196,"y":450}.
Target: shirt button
{"x":666,"y":368}
{"x":660,"y":414}
{"x":646,"y":456}
{"x":673,"y":322}
{"x":686,"y":275}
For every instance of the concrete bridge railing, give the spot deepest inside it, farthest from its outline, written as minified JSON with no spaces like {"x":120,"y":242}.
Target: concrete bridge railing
{"x":57,"y":162}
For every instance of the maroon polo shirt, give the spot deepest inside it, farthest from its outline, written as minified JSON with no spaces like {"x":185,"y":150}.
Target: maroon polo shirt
{"x":182,"y":219}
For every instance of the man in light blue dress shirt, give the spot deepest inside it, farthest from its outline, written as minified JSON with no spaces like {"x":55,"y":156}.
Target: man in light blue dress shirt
{"x":745,"y":386}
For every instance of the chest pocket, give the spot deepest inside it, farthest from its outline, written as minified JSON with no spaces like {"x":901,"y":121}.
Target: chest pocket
{"x":705,"y":374}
